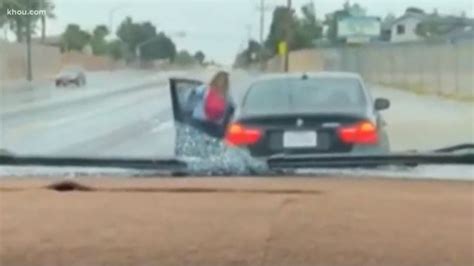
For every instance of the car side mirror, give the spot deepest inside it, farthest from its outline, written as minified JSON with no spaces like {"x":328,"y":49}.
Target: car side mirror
{"x":381,"y":104}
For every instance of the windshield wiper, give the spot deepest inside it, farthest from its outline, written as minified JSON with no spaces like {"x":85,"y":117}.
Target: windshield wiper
{"x":137,"y":164}
{"x":457,"y":148}
{"x":5,"y":152}
{"x":446,"y":156}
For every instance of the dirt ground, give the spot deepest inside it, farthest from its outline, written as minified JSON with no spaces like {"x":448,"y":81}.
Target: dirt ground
{"x":239,"y":221}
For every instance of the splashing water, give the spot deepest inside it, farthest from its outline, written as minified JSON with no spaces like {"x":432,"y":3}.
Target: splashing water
{"x":208,"y":155}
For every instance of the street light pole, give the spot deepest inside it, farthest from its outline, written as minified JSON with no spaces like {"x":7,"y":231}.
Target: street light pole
{"x":111,"y":17}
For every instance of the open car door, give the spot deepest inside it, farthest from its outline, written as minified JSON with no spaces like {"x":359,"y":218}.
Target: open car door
{"x":181,"y":91}
{"x":183,"y":104}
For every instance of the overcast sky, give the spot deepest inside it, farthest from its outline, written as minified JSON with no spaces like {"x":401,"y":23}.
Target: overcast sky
{"x":218,"y":27}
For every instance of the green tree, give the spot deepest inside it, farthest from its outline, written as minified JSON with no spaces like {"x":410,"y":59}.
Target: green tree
{"x":416,"y":10}
{"x":331,"y":22}
{"x":184,"y":58}
{"x":333,"y":18}
{"x":159,"y":47}
{"x":3,"y":15}
{"x":74,"y":38}
{"x":100,"y":31}
{"x":303,"y":31}
{"x":199,"y":56}
{"x":49,"y":6}
{"x":116,"y":49}
{"x":98,"y":43}
{"x":435,"y":26}
{"x":389,"y":18}
{"x":18,"y":22}
{"x":308,"y":28}
{"x":142,"y":37}
{"x":278,"y":27}
{"x":249,"y":55}
{"x":133,"y":33}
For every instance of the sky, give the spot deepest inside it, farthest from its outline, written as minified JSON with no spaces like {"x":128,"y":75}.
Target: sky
{"x":219,"y":28}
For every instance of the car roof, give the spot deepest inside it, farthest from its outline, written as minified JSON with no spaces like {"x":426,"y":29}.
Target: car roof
{"x":322,"y":74}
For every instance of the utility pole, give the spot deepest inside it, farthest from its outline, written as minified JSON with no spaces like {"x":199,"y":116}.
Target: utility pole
{"x":111,"y":21}
{"x":288,"y":35}
{"x":29,"y":74}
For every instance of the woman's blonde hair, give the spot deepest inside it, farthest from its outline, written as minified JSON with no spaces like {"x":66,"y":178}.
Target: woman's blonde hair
{"x":220,"y":81}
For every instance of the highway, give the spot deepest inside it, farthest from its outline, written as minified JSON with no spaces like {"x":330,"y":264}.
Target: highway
{"x":138,"y":123}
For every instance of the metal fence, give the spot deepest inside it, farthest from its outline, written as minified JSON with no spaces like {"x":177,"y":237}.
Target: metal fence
{"x":445,"y":69}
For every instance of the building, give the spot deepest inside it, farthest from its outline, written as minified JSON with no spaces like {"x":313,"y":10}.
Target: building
{"x":403,"y":29}
{"x":359,"y":29}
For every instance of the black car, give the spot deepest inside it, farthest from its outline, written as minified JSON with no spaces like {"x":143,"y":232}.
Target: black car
{"x":304,"y":113}
{"x":71,"y":76}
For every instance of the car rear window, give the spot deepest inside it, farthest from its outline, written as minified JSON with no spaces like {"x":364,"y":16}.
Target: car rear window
{"x":303,"y":95}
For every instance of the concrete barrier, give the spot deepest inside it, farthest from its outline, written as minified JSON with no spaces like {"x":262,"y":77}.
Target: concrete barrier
{"x":90,"y":62}
{"x":445,"y":69}
{"x":46,"y":62}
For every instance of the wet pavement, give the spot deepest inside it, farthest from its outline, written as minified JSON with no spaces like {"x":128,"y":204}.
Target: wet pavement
{"x":138,"y":123}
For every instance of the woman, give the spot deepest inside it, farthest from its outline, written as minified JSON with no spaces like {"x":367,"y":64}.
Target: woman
{"x":211,"y":106}
{"x":209,"y":109}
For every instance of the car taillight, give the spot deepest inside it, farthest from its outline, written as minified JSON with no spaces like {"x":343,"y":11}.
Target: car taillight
{"x":239,"y":135}
{"x":361,"y":133}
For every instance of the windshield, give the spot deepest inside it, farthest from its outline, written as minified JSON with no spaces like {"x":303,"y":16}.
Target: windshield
{"x":237,"y":132}
{"x":304,"y":95}
{"x":101,"y":85}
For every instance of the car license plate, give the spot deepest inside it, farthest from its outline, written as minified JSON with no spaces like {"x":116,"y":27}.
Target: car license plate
{"x":299,"y":139}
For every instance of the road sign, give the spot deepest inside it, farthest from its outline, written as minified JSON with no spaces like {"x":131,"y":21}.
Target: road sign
{"x":282,"y":48}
